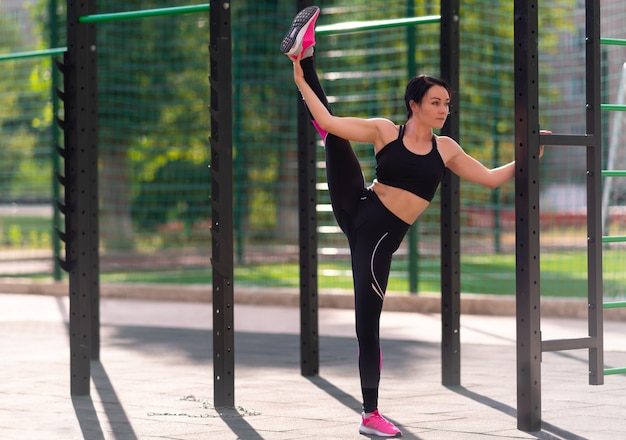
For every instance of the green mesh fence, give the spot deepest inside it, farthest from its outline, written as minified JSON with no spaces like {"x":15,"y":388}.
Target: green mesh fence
{"x":27,"y":150}
{"x":154,"y":150}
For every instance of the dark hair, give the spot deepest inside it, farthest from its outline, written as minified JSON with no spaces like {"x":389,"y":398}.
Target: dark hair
{"x":417,"y":88}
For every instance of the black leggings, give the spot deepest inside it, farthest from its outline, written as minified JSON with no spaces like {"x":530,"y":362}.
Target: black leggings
{"x":374,"y":234}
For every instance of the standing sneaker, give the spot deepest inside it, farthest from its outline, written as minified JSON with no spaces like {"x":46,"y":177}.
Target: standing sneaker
{"x":301,"y":35}
{"x":376,"y":424}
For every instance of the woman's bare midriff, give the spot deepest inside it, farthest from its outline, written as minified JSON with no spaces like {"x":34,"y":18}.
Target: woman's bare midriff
{"x":405,"y":205}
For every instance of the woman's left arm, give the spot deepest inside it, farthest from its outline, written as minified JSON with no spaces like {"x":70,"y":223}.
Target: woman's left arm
{"x":467,"y":167}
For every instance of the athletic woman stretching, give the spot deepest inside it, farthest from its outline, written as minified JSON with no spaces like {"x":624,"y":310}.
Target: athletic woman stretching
{"x":410,"y":162}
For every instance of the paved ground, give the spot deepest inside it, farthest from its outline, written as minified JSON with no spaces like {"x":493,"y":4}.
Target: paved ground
{"x":155,"y":377}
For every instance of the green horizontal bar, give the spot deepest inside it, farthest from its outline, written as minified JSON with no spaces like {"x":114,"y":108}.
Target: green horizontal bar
{"x":613,"y":107}
{"x":614,"y":305}
{"x":613,"y":173}
{"x":33,"y":54}
{"x":143,"y":13}
{"x":361,"y":26}
{"x":613,"y":239}
{"x":608,"y":371}
{"x":613,"y":41}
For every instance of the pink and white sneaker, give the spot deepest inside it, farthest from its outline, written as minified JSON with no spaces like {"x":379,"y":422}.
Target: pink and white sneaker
{"x":376,"y":424}
{"x":301,"y":35}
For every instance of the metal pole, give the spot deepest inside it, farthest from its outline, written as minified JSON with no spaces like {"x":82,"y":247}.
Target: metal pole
{"x":362,"y":26}
{"x":527,"y":215}
{"x":220,"y":49}
{"x":81,"y":193}
{"x":594,"y":193}
{"x":450,"y":209}
{"x":115,"y":16}
{"x":33,"y":54}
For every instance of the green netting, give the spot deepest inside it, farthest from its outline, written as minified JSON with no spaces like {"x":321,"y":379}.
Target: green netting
{"x":154,"y":152}
{"x":154,"y":125}
{"x":26,"y":150}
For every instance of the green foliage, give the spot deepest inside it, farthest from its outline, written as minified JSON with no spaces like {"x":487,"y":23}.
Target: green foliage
{"x":179,"y":191}
{"x":263,"y":201}
{"x":152,"y":84}
{"x":17,"y":151}
{"x":25,"y":117}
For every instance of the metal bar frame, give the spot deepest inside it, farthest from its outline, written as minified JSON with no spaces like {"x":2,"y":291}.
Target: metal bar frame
{"x":450,"y":209}
{"x":568,"y":344}
{"x":33,"y":54}
{"x":116,"y":16}
{"x":613,"y":41}
{"x":614,"y":305}
{"x":362,"y":26}
{"x":220,"y":50}
{"x":569,"y":140}
{"x":613,"y":173}
{"x":614,"y":239}
{"x":81,"y":193}
{"x":527,"y":140}
{"x":614,"y":107}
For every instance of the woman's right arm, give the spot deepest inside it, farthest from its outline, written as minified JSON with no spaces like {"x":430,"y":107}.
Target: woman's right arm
{"x":353,"y":129}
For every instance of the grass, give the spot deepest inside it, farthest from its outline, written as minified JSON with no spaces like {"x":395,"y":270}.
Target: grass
{"x":562,"y":275}
{"x":25,"y":232}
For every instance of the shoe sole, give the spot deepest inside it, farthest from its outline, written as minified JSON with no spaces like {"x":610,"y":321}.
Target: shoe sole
{"x":371,"y":431}
{"x":297,"y":31}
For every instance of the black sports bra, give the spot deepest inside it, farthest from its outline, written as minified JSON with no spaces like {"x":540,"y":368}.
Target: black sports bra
{"x":419,"y":174}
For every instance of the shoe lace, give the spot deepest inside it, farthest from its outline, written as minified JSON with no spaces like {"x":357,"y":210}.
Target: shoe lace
{"x":378,"y":419}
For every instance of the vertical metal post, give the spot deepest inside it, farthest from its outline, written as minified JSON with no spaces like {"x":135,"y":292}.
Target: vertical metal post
{"x":307,"y":201}
{"x":527,"y":215}
{"x":450,"y":209}
{"x":594,"y":192}
{"x":81,"y":192}
{"x":222,"y":204}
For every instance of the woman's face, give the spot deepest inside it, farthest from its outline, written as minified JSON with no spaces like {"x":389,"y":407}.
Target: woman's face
{"x":434,"y":108}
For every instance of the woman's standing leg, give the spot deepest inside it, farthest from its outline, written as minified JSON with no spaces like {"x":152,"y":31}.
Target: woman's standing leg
{"x":378,"y":235}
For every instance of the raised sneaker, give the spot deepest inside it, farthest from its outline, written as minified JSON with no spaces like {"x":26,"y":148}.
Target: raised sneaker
{"x":301,"y":35}
{"x":376,"y":424}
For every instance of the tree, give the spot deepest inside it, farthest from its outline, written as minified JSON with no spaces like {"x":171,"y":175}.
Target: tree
{"x":25,"y":116}
{"x":152,"y":105}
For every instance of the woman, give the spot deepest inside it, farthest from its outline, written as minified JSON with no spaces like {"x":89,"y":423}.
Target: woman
{"x":410,"y":162}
